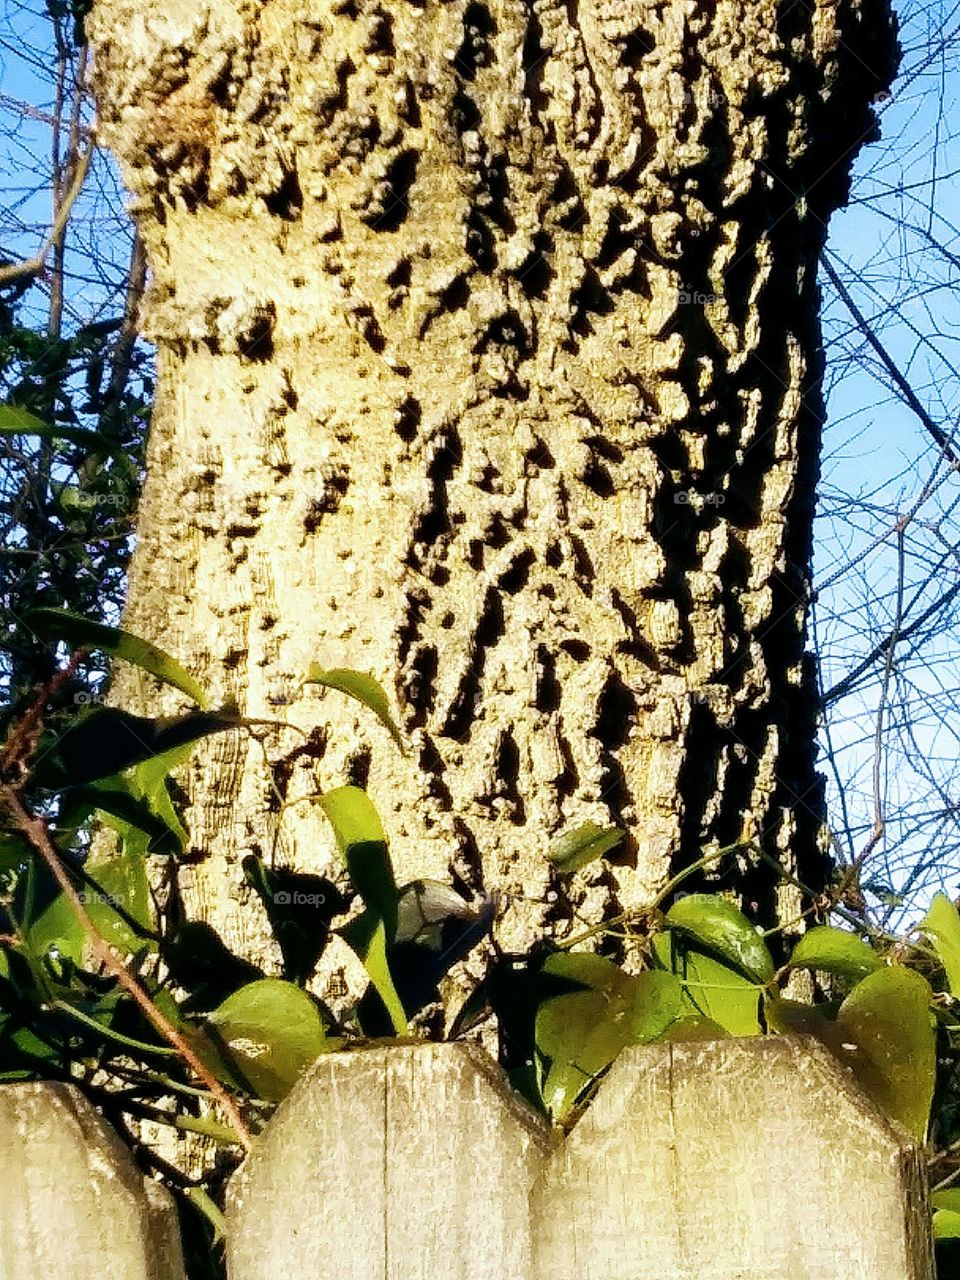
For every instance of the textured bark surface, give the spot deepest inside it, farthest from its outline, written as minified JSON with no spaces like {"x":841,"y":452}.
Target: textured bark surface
{"x":489,"y":364}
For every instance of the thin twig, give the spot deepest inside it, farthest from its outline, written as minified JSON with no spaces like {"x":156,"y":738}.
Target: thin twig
{"x":33,"y":266}
{"x":936,"y":432}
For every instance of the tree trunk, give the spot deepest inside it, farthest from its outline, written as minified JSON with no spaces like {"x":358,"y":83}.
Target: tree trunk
{"x":489,"y":364}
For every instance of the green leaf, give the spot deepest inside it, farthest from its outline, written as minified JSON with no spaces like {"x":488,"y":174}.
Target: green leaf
{"x":19,"y":422}
{"x":886,"y":1036}
{"x":127,"y":815}
{"x":367,"y":936}
{"x":14,"y":851}
{"x":57,"y":927}
{"x":581,"y":1032}
{"x":946,"y":1215}
{"x":710,"y":989}
{"x":60,"y":624}
{"x":719,"y":926}
{"x":363,"y":846}
{"x":270,"y":1032}
{"x":835,"y":951}
{"x":119,"y":882}
{"x":942,"y":927}
{"x":105,"y":740}
{"x":365,"y":688}
{"x":795,"y":1017}
{"x":584,"y":845}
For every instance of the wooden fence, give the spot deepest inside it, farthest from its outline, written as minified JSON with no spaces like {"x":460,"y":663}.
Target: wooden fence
{"x":729,"y":1160}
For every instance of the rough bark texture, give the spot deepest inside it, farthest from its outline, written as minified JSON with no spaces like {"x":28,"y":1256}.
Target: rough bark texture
{"x":489,"y":364}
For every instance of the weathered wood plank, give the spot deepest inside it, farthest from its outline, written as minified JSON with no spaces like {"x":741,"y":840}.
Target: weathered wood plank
{"x":72,"y":1203}
{"x":411,"y":1162}
{"x":732,"y":1160}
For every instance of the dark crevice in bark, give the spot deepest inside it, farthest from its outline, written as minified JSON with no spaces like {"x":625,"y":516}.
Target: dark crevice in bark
{"x":421,"y":684}
{"x":547,"y":697}
{"x":516,"y":576}
{"x":395,"y":202}
{"x":286,"y":202}
{"x":489,"y":629}
{"x":508,"y":774}
{"x":476,"y":49}
{"x":357,"y":767}
{"x":534,"y":62}
{"x":467,"y":868}
{"x":434,"y":524}
{"x":407,"y":419}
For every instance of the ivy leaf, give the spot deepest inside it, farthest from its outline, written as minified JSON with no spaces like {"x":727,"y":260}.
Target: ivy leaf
{"x":367,"y":936}
{"x":268,"y":1032}
{"x":362,"y":842}
{"x":585,"y":844}
{"x":117,"y":900}
{"x":579,"y":1033}
{"x":365,"y":688}
{"x":946,"y":1214}
{"x":942,"y":926}
{"x":73,"y":629}
{"x":887,"y":1037}
{"x":719,"y":926}
{"x":795,"y":1017}
{"x":835,"y":951}
{"x":711,"y":990}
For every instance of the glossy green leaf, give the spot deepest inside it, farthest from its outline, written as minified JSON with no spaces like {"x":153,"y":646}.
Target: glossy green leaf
{"x":73,"y":629}
{"x":835,"y":951}
{"x":270,"y":1031}
{"x":367,"y":936}
{"x":578,"y":1034}
{"x":946,"y":1214}
{"x":121,"y":887}
{"x":57,"y":927}
{"x":796,"y":1017}
{"x":942,"y":926}
{"x":363,"y":846}
{"x":118,"y":902}
{"x":365,"y":688}
{"x":887,"y":1037}
{"x":710,"y":989}
{"x":584,"y":845}
{"x":719,"y":926}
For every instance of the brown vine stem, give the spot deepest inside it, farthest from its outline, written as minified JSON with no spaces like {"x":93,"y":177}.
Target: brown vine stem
{"x":35,"y":831}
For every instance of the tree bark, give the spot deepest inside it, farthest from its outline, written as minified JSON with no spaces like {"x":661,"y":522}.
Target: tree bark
{"x":489,"y":363}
